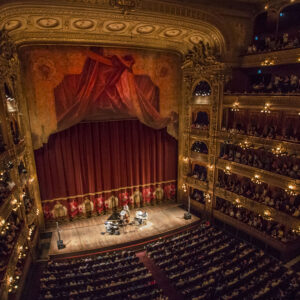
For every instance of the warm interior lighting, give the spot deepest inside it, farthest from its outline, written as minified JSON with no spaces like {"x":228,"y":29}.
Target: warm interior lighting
{"x":291,"y":190}
{"x":279,"y":151}
{"x":268,"y":62}
{"x":227,"y":170}
{"x":245,"y":145}
{"x":256,"y":179}
{"x":266,"y":6}
{"x":266,"y":109}
{"x":184,"y":188}
{"x":207,"y":197}
{"x":235,"y":107}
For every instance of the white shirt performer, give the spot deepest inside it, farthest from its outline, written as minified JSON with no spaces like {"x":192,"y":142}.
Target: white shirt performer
{"x":126,"y":208}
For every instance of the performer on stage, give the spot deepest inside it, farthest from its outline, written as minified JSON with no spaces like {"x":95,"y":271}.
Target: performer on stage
{"x":141,"y":217}
{"x":126,"y":208}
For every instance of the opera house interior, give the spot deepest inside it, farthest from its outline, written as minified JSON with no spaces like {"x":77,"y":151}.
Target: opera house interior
{"x":175,"y":174}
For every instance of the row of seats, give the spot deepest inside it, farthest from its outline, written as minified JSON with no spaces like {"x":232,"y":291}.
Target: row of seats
{"x":262,"y":159}
{"x":253,"y":219}
{"x":117,"y":275}
{"x":262,"y":193}
{"x":206,"y":263}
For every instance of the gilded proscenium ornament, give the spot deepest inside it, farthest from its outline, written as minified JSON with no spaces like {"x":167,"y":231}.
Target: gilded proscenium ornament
{"x":199,"y":56}
{"x":8,"y":56}
{"x":125,"y":5}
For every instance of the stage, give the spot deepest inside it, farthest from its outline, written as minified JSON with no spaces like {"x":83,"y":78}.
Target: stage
{"x":86,"y":235}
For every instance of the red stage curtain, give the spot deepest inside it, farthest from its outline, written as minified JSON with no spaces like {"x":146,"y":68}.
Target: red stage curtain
{"x":96,"y":157}
{"x":107,"y":87}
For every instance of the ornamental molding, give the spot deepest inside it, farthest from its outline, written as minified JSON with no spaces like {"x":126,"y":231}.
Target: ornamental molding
{"x":34,"y":24}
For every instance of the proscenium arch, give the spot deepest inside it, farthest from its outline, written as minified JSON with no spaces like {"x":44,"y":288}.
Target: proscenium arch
{"x":23,"y":22}
{"x":27,"y":25}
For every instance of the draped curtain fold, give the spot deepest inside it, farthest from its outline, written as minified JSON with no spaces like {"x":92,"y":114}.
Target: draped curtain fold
{"x":95,"y":157}
{"x":108,"y":87}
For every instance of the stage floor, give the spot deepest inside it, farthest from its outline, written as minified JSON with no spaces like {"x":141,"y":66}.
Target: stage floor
{"x":84,"y":235}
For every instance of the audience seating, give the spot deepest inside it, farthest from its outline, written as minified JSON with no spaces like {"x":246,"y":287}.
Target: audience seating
{"x":263,"y":193}
{"x":206,"y":263}
{"x":262,"y":159}
{"x":118,"y":275}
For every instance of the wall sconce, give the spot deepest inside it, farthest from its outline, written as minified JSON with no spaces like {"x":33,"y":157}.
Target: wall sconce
{"x":207,"y":197}
{"x":256,"y":179}
{"x":267,"y":62}
{"x":267,"y":215}
{"x":245,"y":145}
{"x":227,"y":170}
{"x":184,"y":187}
{"x":297,"y":230}
{"x":211,"y":167}
{"x":37,"y":211}
{"x":237,"y":202}
{"x":266,"y":109}
{"x":235,"y":107}
{"x":279,"y":151}
{"x":290,"y":190}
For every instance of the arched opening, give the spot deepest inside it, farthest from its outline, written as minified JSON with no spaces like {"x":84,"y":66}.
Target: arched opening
{"x":202,"y":89}
{"x":289,"y":26}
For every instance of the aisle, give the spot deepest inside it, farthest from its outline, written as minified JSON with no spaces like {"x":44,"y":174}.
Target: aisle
{"x":163,"y":282}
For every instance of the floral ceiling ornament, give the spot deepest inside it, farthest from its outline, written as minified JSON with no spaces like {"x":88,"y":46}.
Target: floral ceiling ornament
{"x":125,"y":5}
